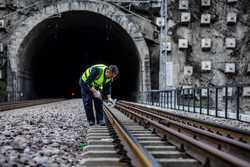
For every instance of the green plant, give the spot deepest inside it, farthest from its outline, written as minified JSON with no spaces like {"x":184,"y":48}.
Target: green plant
{"x":3,"y":91}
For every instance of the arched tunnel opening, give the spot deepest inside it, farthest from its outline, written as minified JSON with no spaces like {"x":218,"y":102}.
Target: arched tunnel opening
{"x":60,"y":48}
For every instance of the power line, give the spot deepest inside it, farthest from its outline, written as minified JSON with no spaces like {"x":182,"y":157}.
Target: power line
{"x":27,"y":7}
{"x":111,"y":1}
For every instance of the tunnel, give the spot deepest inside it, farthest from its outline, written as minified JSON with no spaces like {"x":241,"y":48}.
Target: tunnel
{"x":58,"y":50}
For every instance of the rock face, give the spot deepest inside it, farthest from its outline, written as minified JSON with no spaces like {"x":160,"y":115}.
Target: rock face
{"x":217,"y":33}
{"x":22,"y":17}
{"x":221,"y":32}
{"x":223,"y":27}
{"x":45,"y":135}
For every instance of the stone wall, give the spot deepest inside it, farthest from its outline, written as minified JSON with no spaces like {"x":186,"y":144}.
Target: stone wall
{"x":21,"y":16}
{"x":217,"y":31}
{"x":187,"y":61}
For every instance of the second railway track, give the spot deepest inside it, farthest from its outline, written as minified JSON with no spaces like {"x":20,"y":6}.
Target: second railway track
{"x":223,"y":130}
{"x":26,"y":103}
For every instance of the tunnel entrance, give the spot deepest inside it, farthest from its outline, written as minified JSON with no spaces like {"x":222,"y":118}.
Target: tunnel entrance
{"x":59,"y":49}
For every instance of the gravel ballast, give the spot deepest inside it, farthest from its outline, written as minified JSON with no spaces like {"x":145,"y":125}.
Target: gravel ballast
{"x":44,"y":135}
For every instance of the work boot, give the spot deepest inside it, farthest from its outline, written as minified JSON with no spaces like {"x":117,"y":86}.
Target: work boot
{"x":102,"y":123}
{"x":91,"y":123}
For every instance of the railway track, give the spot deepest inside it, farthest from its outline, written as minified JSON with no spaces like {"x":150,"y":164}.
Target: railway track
{"x":126,"y":143}
{"x":222,"y":130}
{"x":136,"y":136}
{"x":25,"y":103}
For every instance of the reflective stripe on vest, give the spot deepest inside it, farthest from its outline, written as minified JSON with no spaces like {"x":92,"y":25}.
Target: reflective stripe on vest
{"x":99,"y":81}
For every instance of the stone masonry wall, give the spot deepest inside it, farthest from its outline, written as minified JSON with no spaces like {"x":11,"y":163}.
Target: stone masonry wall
{"x":20,"y":18}
{"x":218,"y":30}
{"x":187,"y":61}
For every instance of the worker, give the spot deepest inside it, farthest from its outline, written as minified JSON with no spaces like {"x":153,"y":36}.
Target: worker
{"x":95,"y":85}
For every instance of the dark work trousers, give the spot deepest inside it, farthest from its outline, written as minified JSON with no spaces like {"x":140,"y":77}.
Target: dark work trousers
{"x":87,"y":98}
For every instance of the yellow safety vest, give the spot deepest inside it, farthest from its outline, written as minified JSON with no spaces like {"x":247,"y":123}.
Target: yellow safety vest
{"x":100,"y":81}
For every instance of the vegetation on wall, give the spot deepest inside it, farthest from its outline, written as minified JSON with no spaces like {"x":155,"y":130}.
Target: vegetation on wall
{"x":3,"y":91}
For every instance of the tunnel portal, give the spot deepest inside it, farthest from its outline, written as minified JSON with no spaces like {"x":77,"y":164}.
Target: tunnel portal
{"x":60,"y":48}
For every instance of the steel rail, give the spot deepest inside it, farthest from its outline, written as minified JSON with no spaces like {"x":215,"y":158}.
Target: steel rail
{"x":226,"y":144}
{"x":139,"y":156}
{"x":231,"y":132}
{"x":210,"y":153}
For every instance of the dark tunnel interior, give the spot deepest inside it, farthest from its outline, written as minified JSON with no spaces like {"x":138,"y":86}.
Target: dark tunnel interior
{"x":59,"y":49}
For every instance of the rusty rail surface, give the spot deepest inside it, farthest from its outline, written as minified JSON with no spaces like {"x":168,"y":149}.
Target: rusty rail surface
{"x":211,"y":149}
